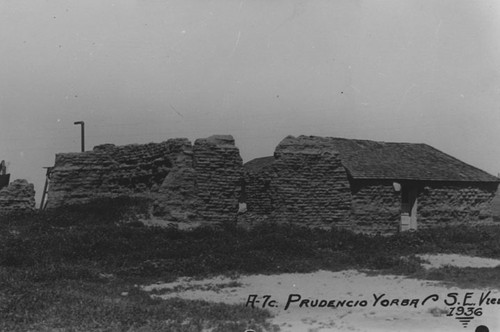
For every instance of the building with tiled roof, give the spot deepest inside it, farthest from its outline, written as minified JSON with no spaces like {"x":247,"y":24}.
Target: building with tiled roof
{"x":368,"y":185}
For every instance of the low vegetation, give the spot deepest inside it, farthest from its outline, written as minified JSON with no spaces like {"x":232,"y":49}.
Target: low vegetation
{"x":77,"y":269}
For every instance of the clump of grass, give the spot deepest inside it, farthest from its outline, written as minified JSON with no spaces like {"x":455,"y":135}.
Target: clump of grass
{"x":96,"y":236}
{"x":85,"y":306}
{"x":468,"y":277}
{"x":404,"y":265}
{"x":205,"y":287}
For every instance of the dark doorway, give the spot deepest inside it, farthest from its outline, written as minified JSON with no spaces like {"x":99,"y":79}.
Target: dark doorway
{"x":408,"y":207}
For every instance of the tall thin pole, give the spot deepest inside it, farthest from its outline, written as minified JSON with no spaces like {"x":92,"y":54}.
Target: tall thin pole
{"x":83,"y":133}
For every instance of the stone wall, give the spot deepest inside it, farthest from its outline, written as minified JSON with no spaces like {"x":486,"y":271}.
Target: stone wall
{"x":18,"y":196}
{"x":440,"y":204}
{"x":174,"y":175}
{"x":375,"y":206}
{"x":306,"y":184}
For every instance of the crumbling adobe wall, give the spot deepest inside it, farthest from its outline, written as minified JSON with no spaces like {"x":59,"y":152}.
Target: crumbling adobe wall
{"x":17,"y":197}
{"x":445,"y":204}
{"x":170,"y":174}
{"x":219,"y":170}
{"x":376,"y":206}
{"x":306,"y":184}
{"x":258,"y":191}
{"x":112,"y":171}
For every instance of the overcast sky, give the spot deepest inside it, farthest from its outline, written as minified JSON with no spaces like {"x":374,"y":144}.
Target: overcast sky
{"x":148,"y":70}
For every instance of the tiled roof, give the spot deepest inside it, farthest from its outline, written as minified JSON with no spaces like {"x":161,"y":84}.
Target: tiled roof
{"x":257,"y":164}
{"x":365,"y":159}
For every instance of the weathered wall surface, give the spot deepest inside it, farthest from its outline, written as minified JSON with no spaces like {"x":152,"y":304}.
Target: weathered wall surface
{"x":441,"y":204}
{"x":18,"y":196}
{"x":219,"y":169}
{"x":258,"y":193}
{"x":111,"y":171}
{"x":495,"y":205}
{"x":306,"y":184}
{"x":375,"y":206}
{"x":168,"y":173}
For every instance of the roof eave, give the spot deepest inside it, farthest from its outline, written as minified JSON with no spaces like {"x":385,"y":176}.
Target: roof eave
{"x":423,"y":179}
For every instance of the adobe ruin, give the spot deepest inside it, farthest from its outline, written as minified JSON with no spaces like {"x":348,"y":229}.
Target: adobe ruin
{"x":183,"y":182}
{"x":17,"y":197}
{"x":368,"y":186}
{"x":317,"y":181}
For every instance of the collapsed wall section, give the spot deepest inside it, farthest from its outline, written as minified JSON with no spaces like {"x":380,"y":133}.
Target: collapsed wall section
{"x":257,"y":190}
{"x":306,"y":184}
{"x":173,"y":175}
{"x":17,"y":197}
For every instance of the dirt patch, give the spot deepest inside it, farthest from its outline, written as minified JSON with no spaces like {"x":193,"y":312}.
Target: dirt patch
{"x":440,"y":260}
{"x":360,"y":302}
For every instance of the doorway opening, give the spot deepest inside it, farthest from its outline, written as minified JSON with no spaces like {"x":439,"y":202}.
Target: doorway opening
{"x":408,"y":207}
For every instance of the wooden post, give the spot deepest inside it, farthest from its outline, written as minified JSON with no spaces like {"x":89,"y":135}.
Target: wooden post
{"x":82,"y":124}
{"x":44,"y":194}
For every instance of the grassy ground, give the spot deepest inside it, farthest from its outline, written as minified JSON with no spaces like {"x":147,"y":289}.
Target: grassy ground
{"x":77,"y":269}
